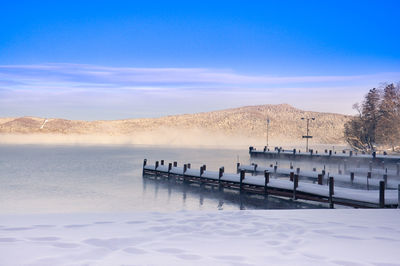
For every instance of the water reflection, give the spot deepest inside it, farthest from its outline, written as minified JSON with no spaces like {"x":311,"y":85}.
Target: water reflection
{"x":225,"y":196}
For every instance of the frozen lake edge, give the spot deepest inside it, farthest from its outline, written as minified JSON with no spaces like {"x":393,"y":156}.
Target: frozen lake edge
{"x":259,"y":237}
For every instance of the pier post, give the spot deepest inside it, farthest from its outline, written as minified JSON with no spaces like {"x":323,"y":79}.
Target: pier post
{"x":352,"y":177}
{"x":295,"y":185}
{"x":144,"y":164}
{"x":291,"y":176}
{"x":162,"y":162}
{"x":385,"y":176}
{"x":320,"y":179}
{"x":184,"y":171}
{"x":220,"y":173}
{"x":331,"y":192}
{"x":266,"y":176}
{"x":398,"y":196}
{"x":242,"y":175}
{"x":381,"y":194}
{"x":169,"y":169}
{"x":156,"y":166}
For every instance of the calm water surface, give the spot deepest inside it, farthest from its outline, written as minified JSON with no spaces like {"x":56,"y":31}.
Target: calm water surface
{"x":51,"y":179}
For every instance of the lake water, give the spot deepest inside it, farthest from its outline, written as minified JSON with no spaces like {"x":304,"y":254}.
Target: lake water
{"x":62,"y":179}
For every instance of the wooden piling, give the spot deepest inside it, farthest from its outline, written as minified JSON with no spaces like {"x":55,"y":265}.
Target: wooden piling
{"x":320,"y":179}
{"x":220,"y":173}
{"x":381,"y":194}
{"x":331,"y":192}
{"x":242,"y":176}
{"x":398,"y":196}
{"x":169,"y":169}
{"x":184,"y":171}
{"x":295,"y":185}
{"x":385,"y":176}
{"x":144,"y":164}
{"x":266,"y":177}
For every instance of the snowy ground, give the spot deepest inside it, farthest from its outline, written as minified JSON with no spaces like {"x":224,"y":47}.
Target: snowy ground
{"x":271,"y":237}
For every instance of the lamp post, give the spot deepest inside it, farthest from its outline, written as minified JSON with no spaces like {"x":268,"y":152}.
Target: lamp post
{"x":267,"y":130}
{"x":307,"y":136}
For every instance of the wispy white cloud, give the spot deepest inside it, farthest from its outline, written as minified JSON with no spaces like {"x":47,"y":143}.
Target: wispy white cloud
{"x":84,"y":91}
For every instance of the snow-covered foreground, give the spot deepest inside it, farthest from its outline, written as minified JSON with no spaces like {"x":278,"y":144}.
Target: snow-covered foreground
{"x":271,"y":237}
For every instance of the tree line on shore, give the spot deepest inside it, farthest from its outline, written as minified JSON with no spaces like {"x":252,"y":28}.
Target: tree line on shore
{"x":377,"y":124}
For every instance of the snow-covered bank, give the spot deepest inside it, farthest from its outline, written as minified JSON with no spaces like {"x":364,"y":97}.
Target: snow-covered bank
{"x":271,"y":237}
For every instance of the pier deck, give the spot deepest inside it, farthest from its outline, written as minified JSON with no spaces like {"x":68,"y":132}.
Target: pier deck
{"x":382,"y":198}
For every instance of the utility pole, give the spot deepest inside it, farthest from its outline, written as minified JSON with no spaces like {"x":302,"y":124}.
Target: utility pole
{"x":307,"y":136}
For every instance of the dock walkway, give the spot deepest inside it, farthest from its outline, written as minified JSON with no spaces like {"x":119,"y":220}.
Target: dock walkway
{"x":382,"y":198}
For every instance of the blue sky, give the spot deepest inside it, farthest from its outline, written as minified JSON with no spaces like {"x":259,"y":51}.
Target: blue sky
{"x":121,"y":59}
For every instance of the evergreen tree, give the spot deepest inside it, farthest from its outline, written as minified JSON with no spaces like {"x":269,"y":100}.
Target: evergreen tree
{"x":388,"y":132}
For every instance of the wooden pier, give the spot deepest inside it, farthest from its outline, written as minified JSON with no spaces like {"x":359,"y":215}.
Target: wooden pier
{"x":326,"y":155}
{"x":350,"y":178}
{"x":287,"y":188}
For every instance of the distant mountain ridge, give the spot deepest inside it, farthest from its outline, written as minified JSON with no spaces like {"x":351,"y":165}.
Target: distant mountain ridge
{"x":244,"y":122}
